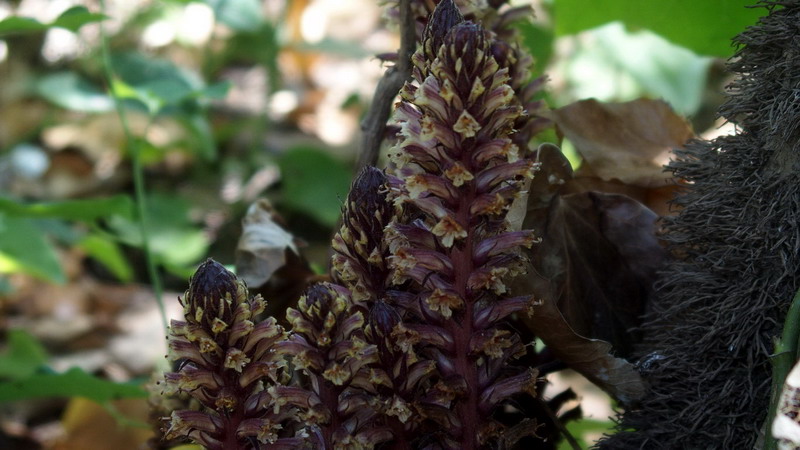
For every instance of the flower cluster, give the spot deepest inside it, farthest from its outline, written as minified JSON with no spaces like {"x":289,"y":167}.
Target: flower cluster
{"x":329,"y":347}
{"x":410,"y":342}
{"x":229,"y":364}
{"x":361,"y":262}
{"x":457,"y":170}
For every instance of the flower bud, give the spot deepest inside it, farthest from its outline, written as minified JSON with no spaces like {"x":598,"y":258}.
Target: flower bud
{"x":445,"y":16}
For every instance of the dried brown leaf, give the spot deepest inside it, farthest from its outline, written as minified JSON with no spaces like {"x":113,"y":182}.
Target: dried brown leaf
{"x":657,"y":199}
{"x":628,"y":141}
{"x":594,"y":271}
{"x":590,"y":357}
{"x":598,"y":261}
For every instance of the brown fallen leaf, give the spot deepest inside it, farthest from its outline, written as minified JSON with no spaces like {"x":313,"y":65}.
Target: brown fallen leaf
{"x":657,"y":199}
{"x":597,"y":261}
{"x":592,"y":358}
{"x":594,"y":271}
{"x":629,"y":142}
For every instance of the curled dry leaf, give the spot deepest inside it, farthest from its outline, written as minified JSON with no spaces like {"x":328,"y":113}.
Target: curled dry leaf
{"x":591,"y":358}
{"x":262,"y":247}
{"x":599,"y":249}
{"x":629,"y":142}
{"x":786,"y":425}
{"x":594,"y":271}
{"x":598,"y":259}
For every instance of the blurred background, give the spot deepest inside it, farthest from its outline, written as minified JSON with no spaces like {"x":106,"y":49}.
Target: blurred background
{"x":226,"y":102}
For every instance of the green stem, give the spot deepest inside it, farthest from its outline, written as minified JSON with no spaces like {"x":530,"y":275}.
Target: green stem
{"x":138,"y":172}
{"x":782,"y":362}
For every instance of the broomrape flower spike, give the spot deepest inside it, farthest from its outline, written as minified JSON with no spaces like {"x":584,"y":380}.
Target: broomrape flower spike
{"x":395,"y":375}
{"x":229,"y":365}
{"x":451,"y":248}
{"x":337,"y":361}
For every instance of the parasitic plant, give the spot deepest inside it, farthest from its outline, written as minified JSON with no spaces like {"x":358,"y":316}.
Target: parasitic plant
{"x":456,"y":173}
{"x":230,"y":365}
{"x":497,"y":18}
{"x":329,"y":347}
{"x":361,"y":263}
{"x":410,"y":345}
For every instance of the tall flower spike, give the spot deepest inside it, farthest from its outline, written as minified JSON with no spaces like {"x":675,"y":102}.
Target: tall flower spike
{"x":359,"y":260}
{"x":228,"y":363}
{"x":329,"y":347}
{"x":457,"y":171}
{"x":360,"y":264}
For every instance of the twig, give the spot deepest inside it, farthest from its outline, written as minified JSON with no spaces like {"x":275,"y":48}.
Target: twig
{"x":374,"y":124}
{"x":573,"y":443}
{"x":782,"y":361}
{"x":138,"y":172}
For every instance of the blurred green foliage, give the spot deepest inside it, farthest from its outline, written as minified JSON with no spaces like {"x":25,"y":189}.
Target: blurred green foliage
{"x":705,"y":27}
{"x":25,"y":245}
{"x":72,"y":19}
{"x":314,"y":183}
{"x":24,"y":374}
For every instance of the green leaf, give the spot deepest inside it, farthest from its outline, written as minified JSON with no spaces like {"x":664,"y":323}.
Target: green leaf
{"x":24,"y":248}
{"x":73,"y":383}
{"x":616,"y":65}
{"x":216,"y":91}
{"x":314,"y":183}
{"x":82,"y":210}
{"x":239,"y":15}
{"x":76,"y":17}
{"x":108,"y":253}
{"x":539,"y":41}
{"x":138,"y":69}
{"x":179,"y":247}
{"x":70,"y":91}
{"x":151,"y":102}
{"x":17,"y":25}
{"x":706,"y":27}
{"x":175,"y":240}
{"x":155,"y":82}
{"x":71,"y":19}
{"x":22,"y":357}
{"x":201,"y":131}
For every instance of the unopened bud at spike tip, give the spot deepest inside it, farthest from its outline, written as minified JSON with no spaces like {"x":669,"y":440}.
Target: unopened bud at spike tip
{"x":444,"y":17}
{"x":210,"y":289}
{"x":367,"y":183}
